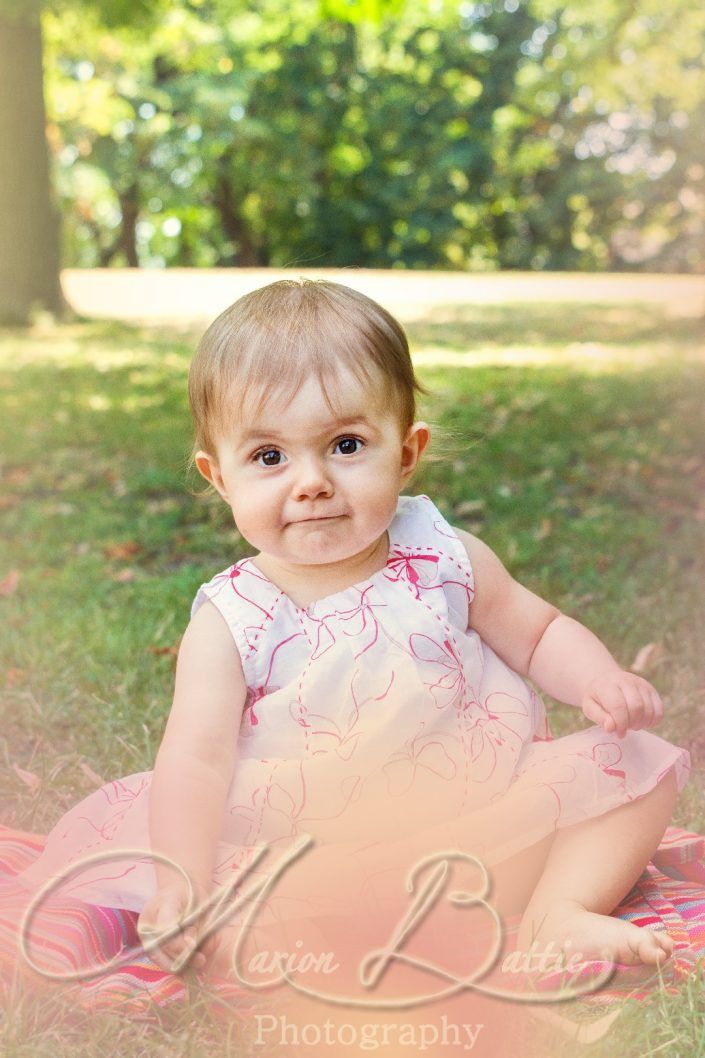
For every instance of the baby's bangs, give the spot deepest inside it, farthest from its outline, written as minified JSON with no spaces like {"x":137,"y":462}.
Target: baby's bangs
{"x":276,"y":363}
{"x":265,"y":346}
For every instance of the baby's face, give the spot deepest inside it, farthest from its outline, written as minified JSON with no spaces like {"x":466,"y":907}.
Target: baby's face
{"x":310,"y":487}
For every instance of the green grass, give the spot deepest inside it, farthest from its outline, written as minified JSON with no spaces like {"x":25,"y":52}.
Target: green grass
{"x":581,"y":464}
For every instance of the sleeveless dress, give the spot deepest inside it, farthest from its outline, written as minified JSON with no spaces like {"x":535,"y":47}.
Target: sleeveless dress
{"x":370,"y":715}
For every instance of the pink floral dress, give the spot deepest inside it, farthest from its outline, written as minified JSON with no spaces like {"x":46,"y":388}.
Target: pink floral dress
{"x":371,"y":714}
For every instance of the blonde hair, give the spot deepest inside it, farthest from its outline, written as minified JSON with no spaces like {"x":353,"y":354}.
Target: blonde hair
{"x":271,"y":339}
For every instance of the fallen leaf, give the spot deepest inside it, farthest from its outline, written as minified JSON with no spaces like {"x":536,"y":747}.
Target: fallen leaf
{"x":8,"y":585}
{"x":469,"y":508}
{"x":118,"y":485}
{"x":646,"y":657}
{"x":17,"y":475}
{"x":122,"y":551}
{"x":90,"y":774}
{"x":58,"y":768}
{"x":28,"y":778}
{"x":544,"y":529}
{"x":13,"y":676}
{"x":125,"y":576}
{"x":163,"y":650}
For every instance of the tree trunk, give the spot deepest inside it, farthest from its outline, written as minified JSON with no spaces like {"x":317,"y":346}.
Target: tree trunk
{"x":29,"y":224}
{"x":128,"y":233}
{"x":248,"y":254}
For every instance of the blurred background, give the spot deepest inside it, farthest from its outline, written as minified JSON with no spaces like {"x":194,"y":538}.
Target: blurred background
{"x":522,"y":182}
{"x":438,"y":134}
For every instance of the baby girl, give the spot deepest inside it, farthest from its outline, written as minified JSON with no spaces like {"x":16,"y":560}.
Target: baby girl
{"x":361,"y":678}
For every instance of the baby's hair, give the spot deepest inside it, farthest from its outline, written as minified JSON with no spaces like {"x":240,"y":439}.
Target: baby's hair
{"x":271,"y":339}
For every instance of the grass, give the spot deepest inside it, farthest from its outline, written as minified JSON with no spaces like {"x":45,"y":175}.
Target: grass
{"x":571,"y":438}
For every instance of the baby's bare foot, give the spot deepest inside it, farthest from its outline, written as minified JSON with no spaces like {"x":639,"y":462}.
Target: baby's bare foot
{"x":587,"y":935}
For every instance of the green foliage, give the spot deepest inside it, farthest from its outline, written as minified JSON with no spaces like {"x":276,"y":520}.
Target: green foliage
{"x":523,"y":134}
{"x":113,"y":13}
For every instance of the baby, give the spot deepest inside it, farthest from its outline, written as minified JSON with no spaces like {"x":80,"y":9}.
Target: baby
{"x":360,"y":678}
{"x":303,"y":399}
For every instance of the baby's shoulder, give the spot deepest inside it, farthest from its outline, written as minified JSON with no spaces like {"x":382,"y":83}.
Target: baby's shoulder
{"x":209,"y":635}
{"x":207,"y":620}
{"x":481,"y":557}
{"x":489,"y":572}
{"x":250,"y":607}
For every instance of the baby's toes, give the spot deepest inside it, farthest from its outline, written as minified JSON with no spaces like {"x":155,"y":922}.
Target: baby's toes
{"x":667,"y":943}
{"x":654,"y":947}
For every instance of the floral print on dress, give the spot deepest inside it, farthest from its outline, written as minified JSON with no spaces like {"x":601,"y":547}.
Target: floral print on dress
{"x":370,"y":714}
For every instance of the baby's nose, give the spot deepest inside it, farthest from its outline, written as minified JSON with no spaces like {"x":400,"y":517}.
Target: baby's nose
{"x":312,"y":479}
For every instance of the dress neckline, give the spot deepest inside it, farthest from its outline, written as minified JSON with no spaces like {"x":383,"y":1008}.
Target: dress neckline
{"x":327,"y":599}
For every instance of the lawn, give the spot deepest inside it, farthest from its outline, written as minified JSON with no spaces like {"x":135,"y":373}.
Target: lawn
{"x":571,"y":438}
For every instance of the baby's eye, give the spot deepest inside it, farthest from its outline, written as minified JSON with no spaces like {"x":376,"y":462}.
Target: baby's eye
{"x":347,"y":445}
{"x":268,"y":457}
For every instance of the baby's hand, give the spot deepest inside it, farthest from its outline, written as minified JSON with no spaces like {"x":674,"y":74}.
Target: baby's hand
{"x":620,"y":701}
{"x":162,"y":914}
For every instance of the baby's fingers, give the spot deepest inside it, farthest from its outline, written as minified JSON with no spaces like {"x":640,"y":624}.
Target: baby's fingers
{"x":594,"y":711}
{"x":639,"y":708}
{"x":167,"y":943}
{"x":656,"y":705}
{"x":173,"y":954}
{"x":187,"y":955}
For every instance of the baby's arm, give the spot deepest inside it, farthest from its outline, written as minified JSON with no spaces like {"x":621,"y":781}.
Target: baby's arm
{"x":557,"y":653}
{"x":193,"y":771}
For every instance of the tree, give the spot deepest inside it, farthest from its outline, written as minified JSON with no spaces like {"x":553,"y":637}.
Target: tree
{"x":29,"y":226}
{"x":29,"y":223}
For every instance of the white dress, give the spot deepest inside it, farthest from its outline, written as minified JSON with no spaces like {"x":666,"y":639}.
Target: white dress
{"x":370,"y":715}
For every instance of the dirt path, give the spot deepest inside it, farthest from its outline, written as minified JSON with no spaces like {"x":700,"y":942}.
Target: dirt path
{"x":184,"y":295}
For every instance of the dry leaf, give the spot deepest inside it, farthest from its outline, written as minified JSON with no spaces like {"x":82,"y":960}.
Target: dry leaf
{"x":544,"y":529}
{"x":124,"y":576}
{"x":122,"y":551}
{"x":28,"y":778}
{"x":58,"y":768}
{"x":469,"y":508}
{"x":646,"y":657}
{"x":8,"y":585}
{"x":13,"y":676}
{"x":118,"y":485}
{"x":90,"y":774}
{"x":163,"y":650}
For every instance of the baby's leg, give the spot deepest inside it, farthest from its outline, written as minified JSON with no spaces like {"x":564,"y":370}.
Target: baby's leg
{"x":591,"y":866}
{"x":514,"y":880}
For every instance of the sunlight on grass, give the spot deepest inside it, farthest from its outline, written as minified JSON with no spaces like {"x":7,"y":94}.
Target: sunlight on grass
{"x":586,"y":356}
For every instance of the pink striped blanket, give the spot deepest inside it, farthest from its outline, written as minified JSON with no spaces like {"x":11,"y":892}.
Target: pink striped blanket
{"x":670,"y":896}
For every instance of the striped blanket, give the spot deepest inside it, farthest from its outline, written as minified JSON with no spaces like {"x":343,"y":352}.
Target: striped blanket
{"x":670,"y":896}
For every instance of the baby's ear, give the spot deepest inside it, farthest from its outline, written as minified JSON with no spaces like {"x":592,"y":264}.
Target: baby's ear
{"x":209,"y":469}
{"x":417,"y":437}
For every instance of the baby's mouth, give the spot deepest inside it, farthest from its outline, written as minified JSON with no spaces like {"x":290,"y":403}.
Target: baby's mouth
{"x":322,"y":518}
